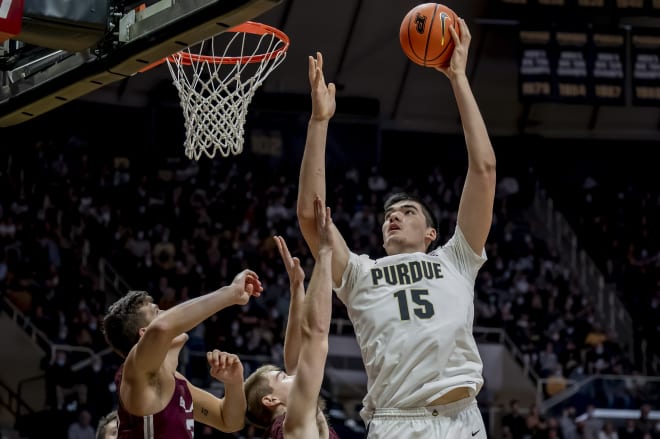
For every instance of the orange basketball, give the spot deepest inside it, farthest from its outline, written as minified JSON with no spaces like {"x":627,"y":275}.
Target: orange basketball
{"x":425,"y":37}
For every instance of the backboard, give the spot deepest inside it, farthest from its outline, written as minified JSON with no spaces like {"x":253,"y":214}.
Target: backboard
{"x":36,"y":79}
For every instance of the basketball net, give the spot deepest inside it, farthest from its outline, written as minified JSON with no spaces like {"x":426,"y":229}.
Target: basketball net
{"x":216,"y":90}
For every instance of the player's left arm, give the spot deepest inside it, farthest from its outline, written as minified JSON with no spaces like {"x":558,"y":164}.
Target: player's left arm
{"x":475,"y":211}
{"x":300,"y":421}
{"x":226,"y":414}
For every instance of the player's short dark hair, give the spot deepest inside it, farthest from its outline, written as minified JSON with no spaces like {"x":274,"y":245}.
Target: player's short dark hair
{"x":103,"y":422}
{"x":426,"y":210}
{"x":256,"y":387}
{"x":123,"y":321}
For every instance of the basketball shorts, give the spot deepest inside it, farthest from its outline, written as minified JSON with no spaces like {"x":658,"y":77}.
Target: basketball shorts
{"x":457,"y":420}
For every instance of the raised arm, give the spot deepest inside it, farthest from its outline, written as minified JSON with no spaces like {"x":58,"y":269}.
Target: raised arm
{"x":294,"y":321}
{"x":145,"y":361}
{"x":300,"y":421}
{"x":312,"y":169}
{"x":148,"y":354}
{"x":226,"y":414}
{"x":475,"y":211}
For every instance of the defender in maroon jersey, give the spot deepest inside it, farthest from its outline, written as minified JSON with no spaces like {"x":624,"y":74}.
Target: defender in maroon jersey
{"x":155,"y":401}
{"x":175,"y":420}
{"x":286,"y":403}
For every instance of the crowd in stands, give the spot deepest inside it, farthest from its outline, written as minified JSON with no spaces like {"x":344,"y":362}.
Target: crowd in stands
{"x":568,"y":425}
{"x":179,"y":228}
{"x":615,"y":216}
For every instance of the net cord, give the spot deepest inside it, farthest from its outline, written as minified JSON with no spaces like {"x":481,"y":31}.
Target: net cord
{"x":215,"y":104}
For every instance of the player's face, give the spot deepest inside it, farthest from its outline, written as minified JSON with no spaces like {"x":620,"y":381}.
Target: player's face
{"x":281,"y":384}
{"x":111,"y":430}
{"x":150,"y":310}
{"x":405,"y":229}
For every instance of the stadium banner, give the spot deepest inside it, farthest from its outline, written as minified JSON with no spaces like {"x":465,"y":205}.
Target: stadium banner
{"x":534,"y":65}
{"x":645,"y":53}
{"x":607,"y":67}
{"x":570,"y":68}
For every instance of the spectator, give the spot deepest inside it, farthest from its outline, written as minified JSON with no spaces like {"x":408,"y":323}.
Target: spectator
{"x":556,"y":383}
{"x":62,"y":382}
{"x":567,"y":424}
{"x":644,"y":423}
{"x":591,"y":426}
{"x":534,"y":421}
{"x":82,"y":428}
{"x":514,"y":422}
{"x":629,"y":430}
{"x":608,"y":432}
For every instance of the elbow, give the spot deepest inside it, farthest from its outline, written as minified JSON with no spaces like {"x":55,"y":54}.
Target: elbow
{"x":233,"y":427}
{"x":316,"y":331}
{"x":302,"y":214}
{"x":305,"y":214}
{"x":488,"y":165}
{"x":485,"y":169}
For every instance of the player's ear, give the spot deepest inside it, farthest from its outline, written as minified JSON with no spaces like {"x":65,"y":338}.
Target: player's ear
{"x":269,"y":400}
{"x":141,"y":331}
{"x":431,"y":233}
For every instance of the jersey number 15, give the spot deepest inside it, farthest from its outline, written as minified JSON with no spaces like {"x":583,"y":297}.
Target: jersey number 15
{"x":422,"y":307}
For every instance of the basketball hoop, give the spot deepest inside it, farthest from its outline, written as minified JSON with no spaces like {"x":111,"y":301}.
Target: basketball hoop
{"x":216,"y":90}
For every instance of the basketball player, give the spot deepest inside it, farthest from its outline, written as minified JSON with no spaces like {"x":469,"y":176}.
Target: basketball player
{"x":155,"y":401}
{"x":412,"y":311}
{"x":286,"y":403}
{"x":107,"y":426}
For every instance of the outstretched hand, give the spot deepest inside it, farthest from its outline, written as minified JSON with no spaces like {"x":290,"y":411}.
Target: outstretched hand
{"x":458,"y":61}
{"x":323,"y":224}
{"x":292,"y":264}
{"x":225,"y":367}
{"x":246,"y":284}
{"x":323,"y":95}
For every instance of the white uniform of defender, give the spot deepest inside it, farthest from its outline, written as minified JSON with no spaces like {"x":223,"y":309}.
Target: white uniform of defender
{"x":413,"y":316}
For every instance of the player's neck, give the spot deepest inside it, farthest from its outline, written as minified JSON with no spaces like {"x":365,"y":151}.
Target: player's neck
{"x":405,"y":249}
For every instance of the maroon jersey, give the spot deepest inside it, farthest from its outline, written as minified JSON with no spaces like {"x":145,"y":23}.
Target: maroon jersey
{"x":276,"y":430}
{"x":175,"y":421}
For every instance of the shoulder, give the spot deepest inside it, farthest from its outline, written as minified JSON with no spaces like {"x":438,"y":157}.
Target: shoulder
{"x":360,"y":260}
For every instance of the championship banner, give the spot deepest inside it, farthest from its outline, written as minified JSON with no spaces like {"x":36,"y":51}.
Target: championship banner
{"x":535,"y":69}
{"x":558,"y":8}
{"x":646,"y":67}
{"x":607,"y":67}
{"x":571,"y":73}
{"x":568,"y":8}
{"x":11,"y":17}
{"x":630,"y":7}
{"x":587,"y":7}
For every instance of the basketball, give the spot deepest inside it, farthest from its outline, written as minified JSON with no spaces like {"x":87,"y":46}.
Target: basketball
{"x":425,"y":37}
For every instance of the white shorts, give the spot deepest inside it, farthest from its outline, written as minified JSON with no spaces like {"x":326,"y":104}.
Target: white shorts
{"x":457,"y":420}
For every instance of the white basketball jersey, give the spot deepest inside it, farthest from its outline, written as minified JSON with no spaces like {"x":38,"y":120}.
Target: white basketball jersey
{"x":413,"y":316}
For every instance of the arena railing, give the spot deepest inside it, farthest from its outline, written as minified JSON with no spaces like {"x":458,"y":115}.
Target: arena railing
{"x":37,"y":335}
{"x":609,"y":308}
{"x":110,"y":281}
{"x":616,"y":393}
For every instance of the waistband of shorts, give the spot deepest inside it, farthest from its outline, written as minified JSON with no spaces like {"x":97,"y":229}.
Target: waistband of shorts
{"x":446,"y":410}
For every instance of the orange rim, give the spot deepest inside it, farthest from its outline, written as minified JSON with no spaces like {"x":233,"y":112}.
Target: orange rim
{"x":186,"y":58}
{"x":249,"y":27}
